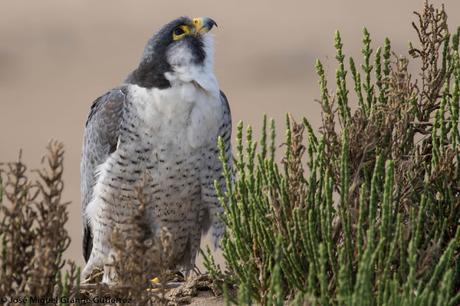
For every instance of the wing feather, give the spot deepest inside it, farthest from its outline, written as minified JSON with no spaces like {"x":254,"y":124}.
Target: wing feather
{"x":212,"y":219}
{"x":100,"y":140}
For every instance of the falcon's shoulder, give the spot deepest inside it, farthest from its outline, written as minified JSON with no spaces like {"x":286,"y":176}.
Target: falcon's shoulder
{"x":225,"y":105}
{"x":104,"y":119}
{"x":108,"y":106}
{"x":225,"y":129}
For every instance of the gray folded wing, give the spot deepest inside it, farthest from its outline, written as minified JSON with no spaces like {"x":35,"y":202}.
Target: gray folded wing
{"x":213,"y":172}
{"x":100,"y":140}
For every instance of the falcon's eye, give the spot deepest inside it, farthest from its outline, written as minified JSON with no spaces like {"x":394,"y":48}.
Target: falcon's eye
{"x":180,"y":32}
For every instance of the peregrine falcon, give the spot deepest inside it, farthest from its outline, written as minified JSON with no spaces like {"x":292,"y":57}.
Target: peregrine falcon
{"x":164,"y":121}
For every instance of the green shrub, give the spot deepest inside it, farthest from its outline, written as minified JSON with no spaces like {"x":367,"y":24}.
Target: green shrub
{"x":365,"y":212}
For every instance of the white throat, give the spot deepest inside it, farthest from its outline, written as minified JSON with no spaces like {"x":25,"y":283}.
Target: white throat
{"x":185,"y":70}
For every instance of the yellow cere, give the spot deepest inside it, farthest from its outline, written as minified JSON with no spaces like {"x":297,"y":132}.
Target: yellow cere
{"x":199,"y":26}
{"x":180,"y":32}
{"x":198,"y":23}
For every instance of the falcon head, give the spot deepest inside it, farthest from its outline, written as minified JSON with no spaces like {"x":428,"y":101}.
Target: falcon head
{"x":181,"y":51}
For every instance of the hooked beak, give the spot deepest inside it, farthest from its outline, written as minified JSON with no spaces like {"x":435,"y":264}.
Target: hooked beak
{"x":203,"y":24}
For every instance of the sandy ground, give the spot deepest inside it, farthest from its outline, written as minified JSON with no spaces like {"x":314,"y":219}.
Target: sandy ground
{"x":57,"y":56}
{"x":207,"y":300}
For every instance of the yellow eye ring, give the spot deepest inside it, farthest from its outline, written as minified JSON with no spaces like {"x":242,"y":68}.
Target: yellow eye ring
{"x":180,"y":32}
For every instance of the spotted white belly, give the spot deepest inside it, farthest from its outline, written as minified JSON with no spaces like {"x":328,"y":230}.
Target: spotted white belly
{"x":164,"y":141}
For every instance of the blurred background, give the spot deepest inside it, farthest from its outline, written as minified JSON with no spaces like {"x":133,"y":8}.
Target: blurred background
{"x":57,"y":56}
